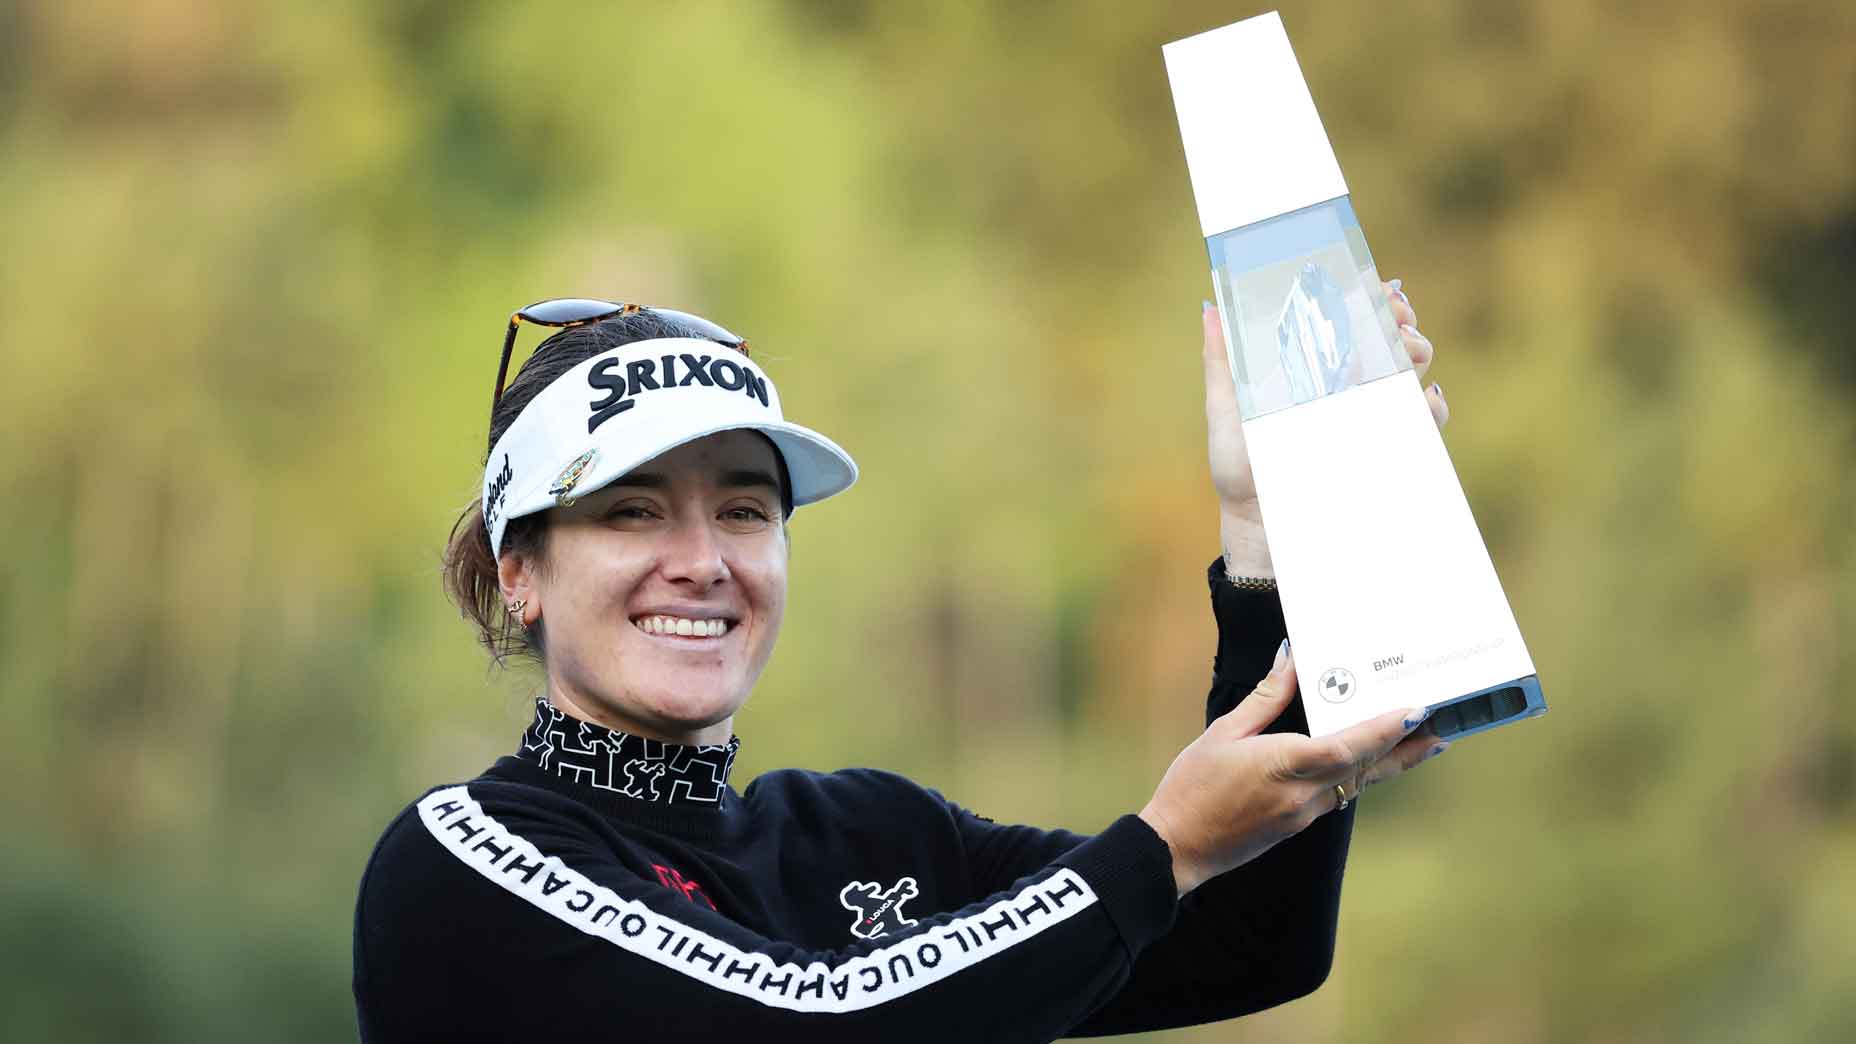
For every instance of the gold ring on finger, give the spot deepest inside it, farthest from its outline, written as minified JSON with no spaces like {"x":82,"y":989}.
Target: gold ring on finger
{"x":1340,"y":791}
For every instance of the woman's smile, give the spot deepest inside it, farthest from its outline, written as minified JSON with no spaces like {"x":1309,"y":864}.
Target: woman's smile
{"x":682,"y":627}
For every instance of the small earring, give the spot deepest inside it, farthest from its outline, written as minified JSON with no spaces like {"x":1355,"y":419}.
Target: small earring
{"x":515,"y":609}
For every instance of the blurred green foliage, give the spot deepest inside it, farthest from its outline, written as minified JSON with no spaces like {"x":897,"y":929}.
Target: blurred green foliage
{"x":259,"y":258}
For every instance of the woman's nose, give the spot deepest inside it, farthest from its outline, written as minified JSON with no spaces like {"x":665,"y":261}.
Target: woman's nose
{"x":695,"y":555}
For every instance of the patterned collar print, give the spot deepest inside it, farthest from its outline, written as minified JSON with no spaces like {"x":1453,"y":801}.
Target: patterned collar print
{"x":646,"y":769}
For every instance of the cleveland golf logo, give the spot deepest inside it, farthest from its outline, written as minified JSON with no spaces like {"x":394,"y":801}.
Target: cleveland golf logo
{"x":498,"y":492}
{"x":878,"y":912}
{"x":1336,"y":685}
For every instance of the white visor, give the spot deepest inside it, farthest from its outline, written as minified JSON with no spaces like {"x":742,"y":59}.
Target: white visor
{"x":613,"y":412}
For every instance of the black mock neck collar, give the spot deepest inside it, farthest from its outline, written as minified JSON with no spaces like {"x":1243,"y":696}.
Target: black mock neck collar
{"x":651,"y":770}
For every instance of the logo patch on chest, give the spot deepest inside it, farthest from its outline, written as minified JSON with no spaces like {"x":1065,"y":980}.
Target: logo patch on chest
{"x":879,"y":912}
{"x":674,"y":880}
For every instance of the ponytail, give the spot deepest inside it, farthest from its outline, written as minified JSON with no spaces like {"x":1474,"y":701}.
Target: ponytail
{"x":471,"y":581}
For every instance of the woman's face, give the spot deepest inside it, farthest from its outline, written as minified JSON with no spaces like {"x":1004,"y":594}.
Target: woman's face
{"x":660,"y":595}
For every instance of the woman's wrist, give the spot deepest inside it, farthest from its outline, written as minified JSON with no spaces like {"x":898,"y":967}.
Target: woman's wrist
{"x":1240,"y":531}
{"x":1185,"y":878}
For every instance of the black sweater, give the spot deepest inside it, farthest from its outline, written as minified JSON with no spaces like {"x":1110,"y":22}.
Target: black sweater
{"x":602,"y":886}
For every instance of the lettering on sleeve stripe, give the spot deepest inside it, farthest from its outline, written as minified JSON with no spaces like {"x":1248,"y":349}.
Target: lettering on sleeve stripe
{"x":481,"y":843}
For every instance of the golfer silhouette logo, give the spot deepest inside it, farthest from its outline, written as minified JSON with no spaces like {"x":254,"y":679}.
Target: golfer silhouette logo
{"x":878,"y":912}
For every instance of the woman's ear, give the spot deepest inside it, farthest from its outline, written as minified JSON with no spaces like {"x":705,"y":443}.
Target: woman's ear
{"x":515,"y":577}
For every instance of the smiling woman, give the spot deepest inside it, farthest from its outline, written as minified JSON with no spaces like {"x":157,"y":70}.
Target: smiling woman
{"x":606,"y":881}
{"x":663,"y":591}
{"x":489,"y":525}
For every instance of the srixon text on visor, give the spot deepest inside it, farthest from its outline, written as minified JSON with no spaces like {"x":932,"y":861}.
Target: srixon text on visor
{"x":670,"y":371}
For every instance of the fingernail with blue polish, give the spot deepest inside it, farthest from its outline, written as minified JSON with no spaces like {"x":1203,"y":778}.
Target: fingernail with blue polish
{"x":1282,"y":652}
{"x":1398,"y":284}
{"x":1414,"y":718}
{"x":1439,"y":749}
{"x":1206,"y":305}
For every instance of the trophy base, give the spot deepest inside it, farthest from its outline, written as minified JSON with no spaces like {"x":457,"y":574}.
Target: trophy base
{"x":1496,"y":705}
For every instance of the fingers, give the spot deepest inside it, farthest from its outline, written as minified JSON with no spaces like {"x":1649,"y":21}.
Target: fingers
{"x":1402,"y":312}
{"x":1344,"y":755}
{"x":1220,"y":393}
{"x":1440,"y":409}
{"x":1266,"y":702}
{"x":1412,"y":751}
{"x":1418,"y":347}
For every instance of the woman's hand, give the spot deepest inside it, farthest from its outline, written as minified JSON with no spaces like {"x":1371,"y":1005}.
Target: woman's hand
{"x":1241,"y":524}
{"x":1235,"y":792}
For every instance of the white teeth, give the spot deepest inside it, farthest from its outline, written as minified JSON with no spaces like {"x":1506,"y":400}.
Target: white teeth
{"x":678,"y":625}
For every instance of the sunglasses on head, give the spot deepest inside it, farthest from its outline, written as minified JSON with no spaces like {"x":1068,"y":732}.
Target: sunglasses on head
{"x":579,"y":311}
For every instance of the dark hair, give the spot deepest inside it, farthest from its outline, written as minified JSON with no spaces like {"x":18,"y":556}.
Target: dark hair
{"x":469,"y":566}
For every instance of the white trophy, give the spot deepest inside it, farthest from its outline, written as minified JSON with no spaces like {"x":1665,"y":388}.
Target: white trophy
{"x":1340,"y":436}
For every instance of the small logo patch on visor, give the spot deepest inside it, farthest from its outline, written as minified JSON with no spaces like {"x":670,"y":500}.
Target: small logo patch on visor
{"x":569,"y":477}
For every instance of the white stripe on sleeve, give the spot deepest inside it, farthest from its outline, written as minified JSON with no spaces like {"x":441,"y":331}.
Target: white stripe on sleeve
{"x":484,"y":845}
